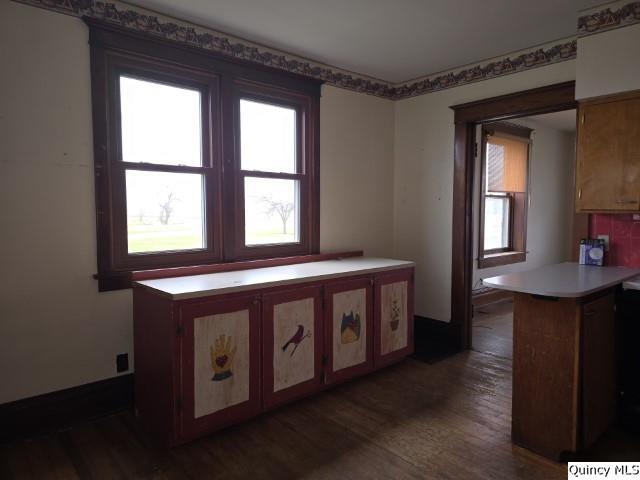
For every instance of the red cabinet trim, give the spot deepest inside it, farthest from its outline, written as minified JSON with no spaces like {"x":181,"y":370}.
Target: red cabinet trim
{"x":381,"y":360}
{"x":269,"y":397}
{"x":331,"y":289}
{"x":189,"y":426}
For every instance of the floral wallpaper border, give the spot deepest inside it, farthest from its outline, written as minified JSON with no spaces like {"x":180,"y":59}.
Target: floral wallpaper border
{"x":169,"y":28}
{"x":527,"y":60}
{"x":593,"y":21}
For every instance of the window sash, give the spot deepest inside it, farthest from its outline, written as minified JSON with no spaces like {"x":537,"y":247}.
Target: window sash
{"x":509,"y":224}
{"x":238,"y":249}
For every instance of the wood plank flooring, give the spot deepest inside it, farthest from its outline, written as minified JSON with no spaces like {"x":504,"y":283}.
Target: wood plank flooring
{"x":446,"y":420}
{"x":493,"y":329}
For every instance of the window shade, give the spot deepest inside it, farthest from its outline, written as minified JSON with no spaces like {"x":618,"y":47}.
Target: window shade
{"x":506,"y":164}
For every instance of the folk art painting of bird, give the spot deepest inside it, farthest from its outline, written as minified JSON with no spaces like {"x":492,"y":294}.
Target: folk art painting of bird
{"x":296,"y":339}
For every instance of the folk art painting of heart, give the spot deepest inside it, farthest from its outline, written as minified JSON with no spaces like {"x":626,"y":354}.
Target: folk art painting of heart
{"x":221,"y":356}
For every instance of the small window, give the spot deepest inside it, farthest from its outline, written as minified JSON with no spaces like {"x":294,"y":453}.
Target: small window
{"x":505,"y":164}
{"x":497,"y":222}
{"x":268,"y":147}
{"x":274,"y":175}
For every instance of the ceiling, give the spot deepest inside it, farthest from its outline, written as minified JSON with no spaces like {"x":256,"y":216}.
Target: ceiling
{"x":565,"y":120}
{"x":390,"y":40}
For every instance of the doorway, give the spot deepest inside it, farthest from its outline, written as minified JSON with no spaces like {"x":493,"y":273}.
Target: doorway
{"x":522,"y":212}
{"x":468,"y":119}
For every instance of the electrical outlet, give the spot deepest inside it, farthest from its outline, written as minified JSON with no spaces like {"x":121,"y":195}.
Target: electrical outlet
{"x":606,"y":241}
{"x":122,"y":362}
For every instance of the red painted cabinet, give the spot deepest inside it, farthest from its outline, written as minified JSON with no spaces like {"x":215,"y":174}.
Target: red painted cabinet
{"x":208,"y":362}
{"x":292,"y":344}
{"x":393,"y":317}
{"x":219,"y":364}
{"x":348,"y":328}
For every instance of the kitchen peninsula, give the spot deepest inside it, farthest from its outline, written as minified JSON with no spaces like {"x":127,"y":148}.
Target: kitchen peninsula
{"x":564,"y":354}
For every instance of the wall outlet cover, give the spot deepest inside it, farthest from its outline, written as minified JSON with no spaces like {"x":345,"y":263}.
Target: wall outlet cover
{"x":122,"y":362}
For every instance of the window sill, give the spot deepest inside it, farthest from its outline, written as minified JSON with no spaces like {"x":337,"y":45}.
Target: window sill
{"x":499,"y":259}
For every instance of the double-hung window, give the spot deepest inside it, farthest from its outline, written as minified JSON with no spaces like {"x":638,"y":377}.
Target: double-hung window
{"x":503,"y":194}
{"x":198,"y":160}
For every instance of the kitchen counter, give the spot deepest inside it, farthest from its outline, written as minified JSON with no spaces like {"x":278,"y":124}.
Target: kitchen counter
{"x":564,"y":280}
{"x":632,"y":284}
{"x":194,"y":286}
{"x":564,"y":354}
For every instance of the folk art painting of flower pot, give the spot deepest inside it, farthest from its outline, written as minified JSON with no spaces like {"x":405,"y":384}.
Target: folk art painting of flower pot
{"x":395,"y":315}
{"x":393,"y":334}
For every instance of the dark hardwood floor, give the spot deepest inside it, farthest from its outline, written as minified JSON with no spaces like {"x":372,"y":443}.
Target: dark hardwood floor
{"x":493,"y":329}
{"x":444,"y":420}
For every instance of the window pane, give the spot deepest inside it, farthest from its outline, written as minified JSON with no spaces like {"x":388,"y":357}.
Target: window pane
{"x":160,"y":123}
{"x":165,"y":211}
{"x":496,"y":222}
{"x":271,"y":209}
{"x":267,"y":137}
{"x":494,"y":167}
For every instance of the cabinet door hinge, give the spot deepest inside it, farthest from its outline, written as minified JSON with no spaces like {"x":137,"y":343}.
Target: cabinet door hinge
{"x":475,"y":150}
{"x":372,"y":282}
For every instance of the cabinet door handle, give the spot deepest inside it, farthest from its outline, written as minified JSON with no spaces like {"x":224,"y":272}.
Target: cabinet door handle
{"x":626,"y":202}
{"x":580,"y":194}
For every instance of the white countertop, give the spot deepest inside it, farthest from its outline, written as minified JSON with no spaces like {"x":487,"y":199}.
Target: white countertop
{"x":632,"y":284}
{"x":193,"y":286}
{"x":563,"y":280}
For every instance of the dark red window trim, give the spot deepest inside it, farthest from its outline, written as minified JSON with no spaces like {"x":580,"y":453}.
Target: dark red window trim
{"x":222,"y":82}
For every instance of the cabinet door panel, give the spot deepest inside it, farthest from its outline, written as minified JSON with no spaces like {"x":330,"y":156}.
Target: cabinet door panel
{"x":220,"y":364}
{"x":608,"y":168}
{"x":393,"y":320}
{"x":599,"y":369}
{"x":348,"y":328}
{"x":292,"y":344}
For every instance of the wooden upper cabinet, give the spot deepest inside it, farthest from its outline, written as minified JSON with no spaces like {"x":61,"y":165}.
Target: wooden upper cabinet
{"x":608,"y":154}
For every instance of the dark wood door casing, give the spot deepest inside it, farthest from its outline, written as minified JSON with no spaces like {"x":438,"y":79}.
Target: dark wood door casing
{"x":548,"y":99}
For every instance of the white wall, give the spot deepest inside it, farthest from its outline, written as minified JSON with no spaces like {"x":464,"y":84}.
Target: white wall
{"x":423,"y":178}
{"x":56,"y":330}
{"x":356,"y":166}
{"x":550,"y":212}
{"x":608,"y":62}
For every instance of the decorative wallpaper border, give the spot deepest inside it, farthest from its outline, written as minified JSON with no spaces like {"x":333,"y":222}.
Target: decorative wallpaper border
{"x":179,"y":31}
{"x":526,"y":60}
{"x":598,"y":21}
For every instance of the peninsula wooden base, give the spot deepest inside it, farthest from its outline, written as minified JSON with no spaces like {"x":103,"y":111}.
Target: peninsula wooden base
{"x":564,"y":371}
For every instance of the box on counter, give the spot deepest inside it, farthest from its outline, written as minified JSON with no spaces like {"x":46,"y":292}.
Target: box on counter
{"x":591,"y":251}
